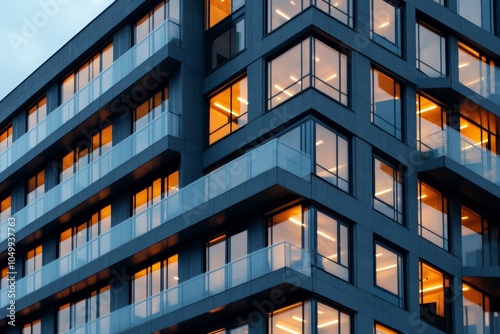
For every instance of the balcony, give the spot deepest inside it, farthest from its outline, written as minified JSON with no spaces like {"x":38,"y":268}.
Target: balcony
{"x":450,"y":143}
{"x":167,"y":124}
{"x":261,"y":159}
{"x":169,"y":32}
{"x":255,"y":265}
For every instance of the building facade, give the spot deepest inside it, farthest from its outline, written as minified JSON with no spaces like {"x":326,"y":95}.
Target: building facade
{"x":232,"y":166}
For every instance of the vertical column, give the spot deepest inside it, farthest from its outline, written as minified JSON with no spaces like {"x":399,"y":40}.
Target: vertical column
{"x":53,"y":96}
{"x":19,"y":125}
{"x":257,"y":95}
{"x":122,"y":41}
{"x":120,"y":208}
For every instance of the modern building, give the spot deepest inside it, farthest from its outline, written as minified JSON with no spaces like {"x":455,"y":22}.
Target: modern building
{"x":232,"y":166}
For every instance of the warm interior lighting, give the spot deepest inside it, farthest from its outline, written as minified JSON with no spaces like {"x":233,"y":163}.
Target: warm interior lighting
{"x":221,"y":107}
{"x":176,"y":278}
{"x":280,"y":13}
{"x":295,"y":221}
{"x":332,"y":77}
{"x":319,"y":142}
{"x":283,"y":90}
{"x":465,"y":288}
{"x":286,"y":329}
{"x":421,"y":197}
{"x":292,"y":3}
{"x":387,"y":268}
{"x":432,"y":288}
{"x":476,"y":144}
{"x":383,"y":192}
{"x":385,"y":24}
{"x":328,"y":323}
{"x":465,"y":217}
{"x":463,"y":65}
{"x":242,"y":100}
{"x":294,"y":78}
{"x":427,"y":109}
{"x":297,"y":318}
{"x":474,"y":81}
{"x":465,"y":126}
{"x":325,"y":235}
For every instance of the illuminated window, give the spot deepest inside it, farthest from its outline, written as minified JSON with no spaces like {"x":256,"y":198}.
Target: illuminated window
{"x":153,"y":194}
{"x":431,"y":120}
{"x":299,"y":319}
{"x":479,"y":310}
{"x":474,"y":238}
{"x":288,"y":226}
{"x":77,"y":236}
{"x":431,"y":51}
{"x":34,"y":327}
{"x":5,"y":208}
{"x":332,"y":245}
{"x":478,"y":72}
{"x":4,"y":277}
{"x":75,"y":314}
{"x":381,"y":329}
{"x":308,"y":64}
{"x":217,"y":10}
{"x":228,"y":110}
{"x":386,"y":24}
{"x":479,"y":132}
{"x":149,"y":110}
{"x":386,"y":103}
{"x":226,"y":45}
{"x":479,"y":12}
{"x":86,"y":73}
{"x":389,"y":273}
{"x":37,"y":113}
{"x":163,"y":11}
{"x":435,"y":301}
{"x":432,"y":215}
{"x":226,"y":249}
{"x":282,"y":11}
{"x":86,"y":152}
{"x":35,"y":187}
{"x":241,"y":329}
{"x":150,"y":282}
{"x":33,"y":260}
{"x":388,"y":191}
{"x":5,"y":138}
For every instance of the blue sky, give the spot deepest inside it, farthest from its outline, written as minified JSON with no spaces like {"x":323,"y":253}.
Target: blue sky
{"x":33,"y":30}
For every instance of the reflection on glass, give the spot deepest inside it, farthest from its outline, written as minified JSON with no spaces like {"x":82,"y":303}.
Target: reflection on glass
{"x":480,"y":311}
{"x":331,"y":320}
{"x":479,"y":12}
{"x":388,"y":270}
{"x":35,"y":187}
{"x":433,"y":215}
{"x":242,"y":329}
{"x":474,"y":235}
{"x":5,"y":138}
{"x":228,"y":110}
{"x":34,"y":327}
{"x":149,"y":110}
{"x":431,"y":51}
{"x":388,"y":191}
{"x":430,"y":123}
{"x":227,"y":45}
{"x":380,"y":329}
{"x":5,"y":208}
{"x":386,"y":25}
{"x":386,"y":103}
{"x":220,"y":9}
{"x":434,"y":304}
{"x":37,"y":113}
{"x":309,"y":63}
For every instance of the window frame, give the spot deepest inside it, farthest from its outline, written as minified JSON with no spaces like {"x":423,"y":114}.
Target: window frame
{"x":234,"y":12}
{"x":35,"y":195}
{"x":397,"y":46}
{"x":443,"y":72}
{"x":398,"y":298}
{"x":446,"y":225}
{"x":398,"y":216}
{"x":218,"y":31}
{"x":8,"y":134}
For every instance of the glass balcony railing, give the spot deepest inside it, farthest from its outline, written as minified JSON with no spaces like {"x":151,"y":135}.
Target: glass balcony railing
{"x":255,"y":162}
{"x":167,"y":124}
{"x":169,"y":32}
{"x":252,"y":266}
{"x":449,"y":142}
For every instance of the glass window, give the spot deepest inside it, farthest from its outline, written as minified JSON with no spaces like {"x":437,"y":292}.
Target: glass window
{"x":35,"y":187}
{"x":72,"y":238}
{"x":86,"y":73}
{"x":298,"y":319}
{"x":474,"y":236}
{"x":4,"y":277}
{"x":220,"y":251}
{"x":389,"y":272}
{"x":478,"y":72}
{"x":34,"y":327}
{"x":332,"y":157}
{"x":219,"y":10}
{"x":479,"y":12}
{"x":295,"y":70}
{"x":478,"y":128}
{"x":386,"y":103}
{"x":241,"y":329}
{"x":431,"y":51}
{"x":287,"y":226}
{"x":96,"y":305}
{"x":151,"y":281}
{"x":282,"y":11}
{"x":435,"y":301}
{"x":5,"y":138}
{"x":86,"y":152}
{"x":388,"y":191}
{"x":479,"y":311}
{"x":386,"y":24}
{"x":332,"y":245}
{"x":228,"y":44}
{"x":431,"y":120}
{"x":33,"y":260}
{"x":5,"y":208}
{"x":37,"y":113}
{"x":228,"y":110}
{"x":149,"y":110}
{"x":432,"y":215}
{"x":381,"y":329}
